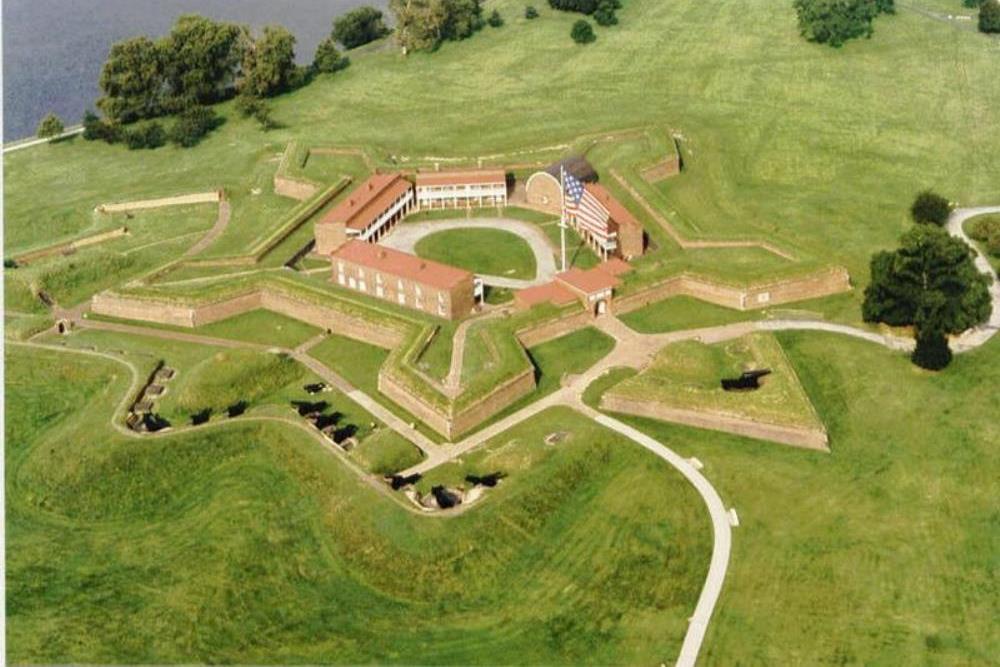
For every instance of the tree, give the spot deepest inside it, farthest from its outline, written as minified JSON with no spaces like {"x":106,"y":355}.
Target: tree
{"x":932,"y":351}
{"x":359,"y":26}
{"x":149,"y":135}
{"x":132,"y":80}
{"x":201,"y":60}
{"x":530,"y":12}
{"x":495,"y":20}
{"x":930,"y":208}
{"x":328,"y":57}
{"x":989,"y":16}
{"x":582,"y":32}
{"x":604,"y":15}
{"x":581,"y":6}
{"x":50,"y":127}
{"x":250,"y":106}
{"x":834,"y":22}
{"x":930,"y":282}
{"x":424,"y":24}
{"x":192,"y":125}
{"x":269,"y":63}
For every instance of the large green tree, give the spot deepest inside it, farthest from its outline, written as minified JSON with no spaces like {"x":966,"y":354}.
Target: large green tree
{"x":132,"y":81}
{"x":202,"y":58}
{"x":269,"y":63}
{"x":834,"y":22}
{"x":424,"y":24}
{"x":989,"y":16}
{"x":930,"y":282}
{"x":359,"y":26}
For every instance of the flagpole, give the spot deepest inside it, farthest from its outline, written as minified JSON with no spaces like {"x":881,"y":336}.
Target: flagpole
{"x":562,"y":216}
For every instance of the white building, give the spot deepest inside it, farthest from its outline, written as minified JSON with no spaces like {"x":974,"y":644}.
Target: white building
{"x":461,"y":189}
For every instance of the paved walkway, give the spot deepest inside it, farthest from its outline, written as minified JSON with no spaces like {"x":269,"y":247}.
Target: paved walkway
{"x":975,"y":337}
{"x":405,"y":236}
{"x":38,"y":142}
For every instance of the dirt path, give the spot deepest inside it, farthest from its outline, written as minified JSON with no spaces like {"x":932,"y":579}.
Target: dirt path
{"x":221,"y":222}
{"x":975,"y":337}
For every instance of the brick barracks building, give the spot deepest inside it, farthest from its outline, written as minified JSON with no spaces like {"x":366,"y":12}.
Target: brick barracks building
{"x":368,"y":213}
{"x":461,"y":189}
{"x":404,"y":279}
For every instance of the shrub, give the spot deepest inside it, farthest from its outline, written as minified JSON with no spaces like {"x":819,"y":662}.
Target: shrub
{"x":834,"y":22}
{"x":359,"y":26}
{"x":495,"y":20}
{"x":530,"y":12}
{"x":930,"y":208}
{"x":582,"y":32}
{"x":989,"y":16}
{"x":94,"y":128}
{"x":605,"y":13}
{"x":328,"y":58}
{"x":986,"y":229}
{"x":932,"y":351}
{"x":192,"y":125}
{"x":51,"y":126}
{"x":150,"y":135}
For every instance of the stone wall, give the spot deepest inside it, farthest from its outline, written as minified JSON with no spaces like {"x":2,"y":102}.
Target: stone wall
{"x":148,"y":310}
{"x":422,"y":410}
{"x":453,"y":424}
{"x":798,"y":436}
{"x":128,"y":308}
{"x":819,"y":284}
{"x":195,"y":198}
{"x":493,"y":403}
{"x":65,"y":248}
{"x":552,"y":329}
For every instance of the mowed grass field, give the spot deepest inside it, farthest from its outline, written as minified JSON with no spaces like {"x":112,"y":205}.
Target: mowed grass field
{"x":493,"y":252}
{"x":880,"y":552}
{"x":247,"y":543}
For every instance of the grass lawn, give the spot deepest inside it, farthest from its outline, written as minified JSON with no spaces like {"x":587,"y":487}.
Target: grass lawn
{"x":385,"y":453}
{"x":155,"y":237}
{"x":567,"y":355}
{"x":684,"y":312}
{"x":981,"y":229}
{"x":261,"y":326}
{"x":882,"y":551}
{"x":686,"y":375}
{"x":493,"y":252}
{"x":248,"y":543}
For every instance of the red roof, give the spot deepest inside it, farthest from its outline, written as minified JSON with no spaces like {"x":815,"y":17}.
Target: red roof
{"x":619,"y":213}
{"x":589,"y":281}
{"x":549,"y":292}
{"x":469,"y":177}
{"x":368,"y":201}
{"x":615,"y":266}
{"x":401,"y":264}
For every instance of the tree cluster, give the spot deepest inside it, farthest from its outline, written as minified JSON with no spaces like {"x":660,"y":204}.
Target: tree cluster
{"x":834,"y":22}
{"x":425,"y":24}
{"x":989,"y":16}
{"x":199,"y":63}
{"x":359,"y":27}
{"x":931,"y":283}
{"x":603,"y":11}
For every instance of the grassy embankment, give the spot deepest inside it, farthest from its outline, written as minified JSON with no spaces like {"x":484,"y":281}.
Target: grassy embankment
{"x":880,"y":551}
{"x":686,"y":375}
{"x":248,"y":543}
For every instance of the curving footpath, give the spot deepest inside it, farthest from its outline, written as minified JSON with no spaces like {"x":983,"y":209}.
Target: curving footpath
{"x":976,"y":336}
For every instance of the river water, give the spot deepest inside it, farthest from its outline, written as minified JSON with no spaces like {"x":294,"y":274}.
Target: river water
{"x":53,"y":49}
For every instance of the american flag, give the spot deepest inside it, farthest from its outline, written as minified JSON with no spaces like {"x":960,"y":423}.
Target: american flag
{"x":584,"y":208}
